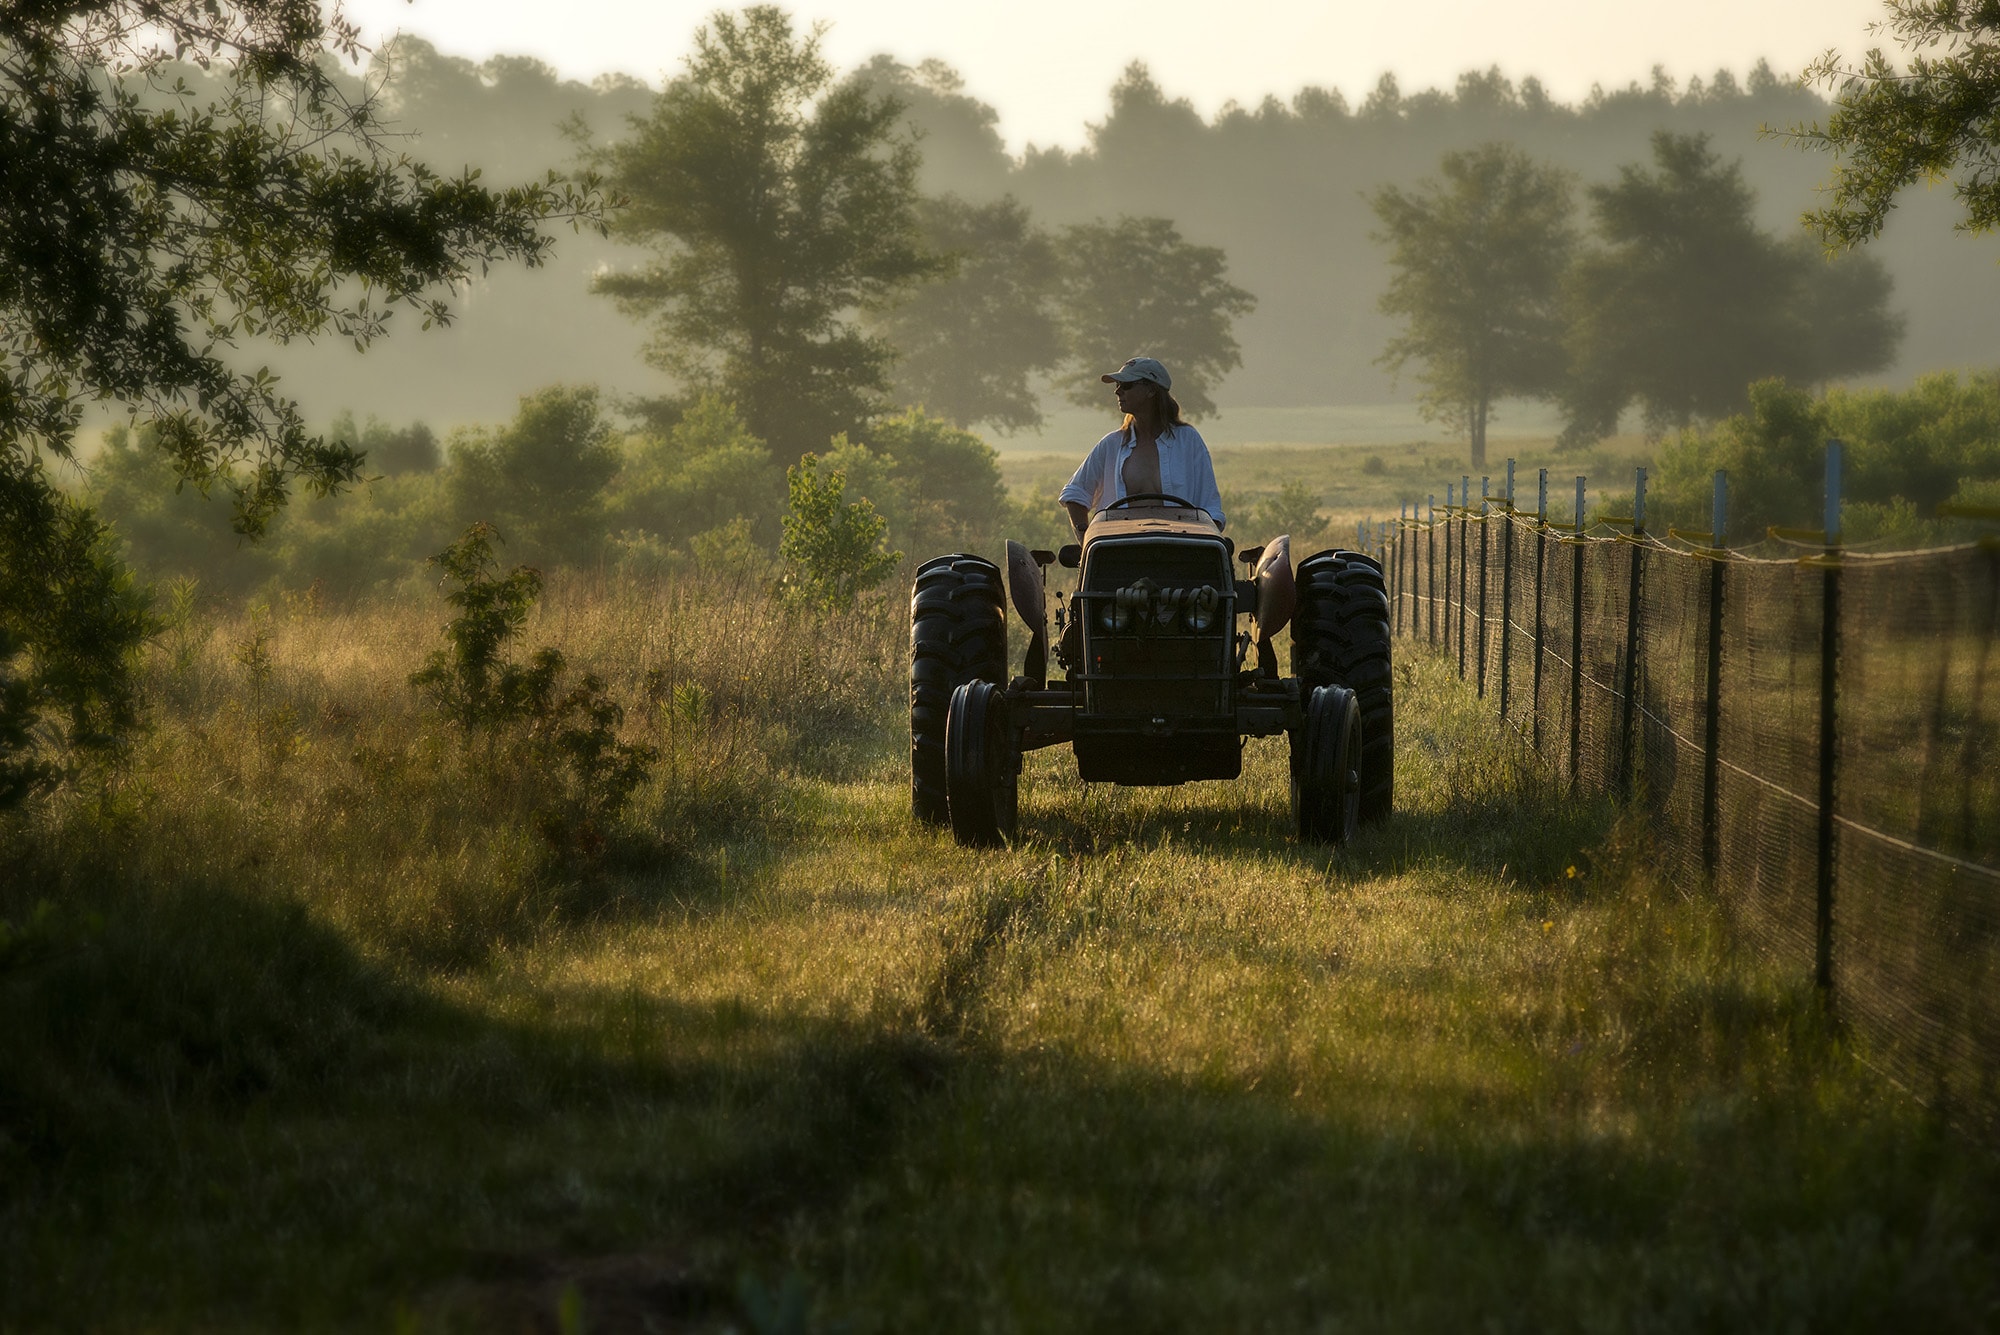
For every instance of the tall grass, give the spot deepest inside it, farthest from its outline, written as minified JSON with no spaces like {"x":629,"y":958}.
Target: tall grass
{"x":319,"y":1028}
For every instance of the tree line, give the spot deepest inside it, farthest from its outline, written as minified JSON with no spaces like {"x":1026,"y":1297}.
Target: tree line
{"x":1677,"y":303}
{"x":1282,"y":188}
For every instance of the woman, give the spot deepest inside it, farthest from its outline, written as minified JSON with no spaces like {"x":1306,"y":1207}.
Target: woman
{"x":1152,"y":451}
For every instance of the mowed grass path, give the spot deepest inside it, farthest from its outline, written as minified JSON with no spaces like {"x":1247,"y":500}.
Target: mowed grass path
{"x":1156,"y":1068}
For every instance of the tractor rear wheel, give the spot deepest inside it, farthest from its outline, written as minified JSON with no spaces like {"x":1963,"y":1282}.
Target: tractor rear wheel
{"x":1326,"y":767}
{"x":1340,"y":636}
{"x":958,"y":634}
{"x":982,"y":766}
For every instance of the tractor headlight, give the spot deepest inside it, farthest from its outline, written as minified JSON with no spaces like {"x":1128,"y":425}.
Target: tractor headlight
{"x":1203,"y":607}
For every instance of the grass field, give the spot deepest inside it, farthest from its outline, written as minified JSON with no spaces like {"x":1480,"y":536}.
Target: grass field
{"x":319,"y":1027}
{"x":1366,"y":475}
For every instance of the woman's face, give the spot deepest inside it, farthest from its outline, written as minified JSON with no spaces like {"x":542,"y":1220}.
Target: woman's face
{"x":1132,"y":394}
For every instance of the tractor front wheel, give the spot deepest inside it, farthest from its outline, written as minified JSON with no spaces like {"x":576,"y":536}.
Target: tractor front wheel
{"x":1326,"y":767}
{"x":1340,"y":636}
{"x":958,"y":633}
{"x":982,"y":766}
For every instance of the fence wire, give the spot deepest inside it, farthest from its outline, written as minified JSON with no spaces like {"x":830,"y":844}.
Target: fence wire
{"x":1696,"y":683}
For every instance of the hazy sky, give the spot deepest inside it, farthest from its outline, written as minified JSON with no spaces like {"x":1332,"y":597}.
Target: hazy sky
{"x":1046,"y":65}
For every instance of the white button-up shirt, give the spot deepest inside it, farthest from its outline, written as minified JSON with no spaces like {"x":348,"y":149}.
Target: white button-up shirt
{"x":1185,"y":471}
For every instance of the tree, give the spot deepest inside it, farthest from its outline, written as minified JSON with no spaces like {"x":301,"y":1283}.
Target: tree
{"x":1890,"y":129}
{"x":155,"y":215}
{"x":387,"y":451}
{"x":1478,"y":263}
{"x":1134,"y":286}
{"x":968,"y":343}
{"x":778,"y":205}
{"x":1688,"y":302}
{"x":541,"y":478}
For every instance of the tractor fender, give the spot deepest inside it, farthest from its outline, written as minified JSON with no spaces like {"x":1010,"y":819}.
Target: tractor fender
{"x":1277,"y":595}
{"x":1024,"y":585}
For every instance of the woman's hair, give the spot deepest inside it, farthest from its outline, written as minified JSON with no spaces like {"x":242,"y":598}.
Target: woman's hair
{"x":1164,"y":407}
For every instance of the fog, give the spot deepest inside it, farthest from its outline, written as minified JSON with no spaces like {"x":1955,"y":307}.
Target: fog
{"x":1280,"y":187}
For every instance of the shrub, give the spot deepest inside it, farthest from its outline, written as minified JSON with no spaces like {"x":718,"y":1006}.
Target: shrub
{"x":1920,"y":446}
{"x":1294,"y":510}
{"x":952,"y":473}
{"x":543,"y":475}
{"x":72,"y":622}
{"x":704,"y":470}
{"x":473,"y":682}
{"x":833,"y":549}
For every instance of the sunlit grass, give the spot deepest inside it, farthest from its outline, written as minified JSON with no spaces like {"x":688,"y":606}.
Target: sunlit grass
{"x":321,"y":1030}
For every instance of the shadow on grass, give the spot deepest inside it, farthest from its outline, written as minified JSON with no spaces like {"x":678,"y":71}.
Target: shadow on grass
{"x":1070,"y":1196}
{"x":214,"y":1111}
{"x":217,"y":1113}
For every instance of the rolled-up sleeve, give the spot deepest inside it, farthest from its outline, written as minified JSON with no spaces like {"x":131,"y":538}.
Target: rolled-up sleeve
{"x":1201,"y":476}
{"x":1087,"y":483}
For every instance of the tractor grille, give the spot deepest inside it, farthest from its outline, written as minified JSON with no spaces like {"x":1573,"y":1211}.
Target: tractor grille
{"x":1157,"y":623}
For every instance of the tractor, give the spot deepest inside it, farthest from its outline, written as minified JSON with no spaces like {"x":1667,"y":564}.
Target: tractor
{"x":1160,"y":680}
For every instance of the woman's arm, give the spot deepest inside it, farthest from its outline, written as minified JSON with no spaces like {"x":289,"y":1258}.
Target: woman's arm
{"x":1087,"y":484}
{"x":1079,"y":517}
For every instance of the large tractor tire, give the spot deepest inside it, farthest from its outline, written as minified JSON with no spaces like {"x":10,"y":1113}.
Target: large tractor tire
{"x":958,"y":634}
{"x":982,"y":766}
{"x":1326,"y":767}
{"x":1340,"y":636}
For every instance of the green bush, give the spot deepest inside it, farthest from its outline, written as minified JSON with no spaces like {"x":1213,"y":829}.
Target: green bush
{"x":703,"y":471}
{"x":72,"y":622}
{"x":1906,"y":451}
{"x":165,"y":527}
{"x":952,"y":475}
{"x":542,"y":477}
{"x":365,"y":541}
{"x":833,"y":549}
{"x":1293,"y":510}
{"x":473,"y":682}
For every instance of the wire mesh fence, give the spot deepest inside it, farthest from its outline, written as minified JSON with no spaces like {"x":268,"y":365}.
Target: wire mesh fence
{"x":1816,"y":739}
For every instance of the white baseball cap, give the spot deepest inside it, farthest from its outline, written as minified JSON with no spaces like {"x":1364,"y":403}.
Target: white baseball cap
{"x":1140,"y":368}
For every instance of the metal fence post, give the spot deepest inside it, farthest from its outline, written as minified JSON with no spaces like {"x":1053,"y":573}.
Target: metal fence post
{"x":1711,"y":768}
{"x":1397,"y":581}
{"x":1541,"y":559}
{"x":1431,"y":566}
{"x":1829,"y":673}
{"x":1576,"y":644}
{"x":1464,"y":560}
{"x":1451,"y":490}
{"x":1628,"y":713}
{"x":1485,"y":523}
{"x":1506,"y":587}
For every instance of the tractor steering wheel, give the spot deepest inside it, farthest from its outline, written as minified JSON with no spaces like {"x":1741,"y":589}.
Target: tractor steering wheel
{"x":1124,"y":501}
